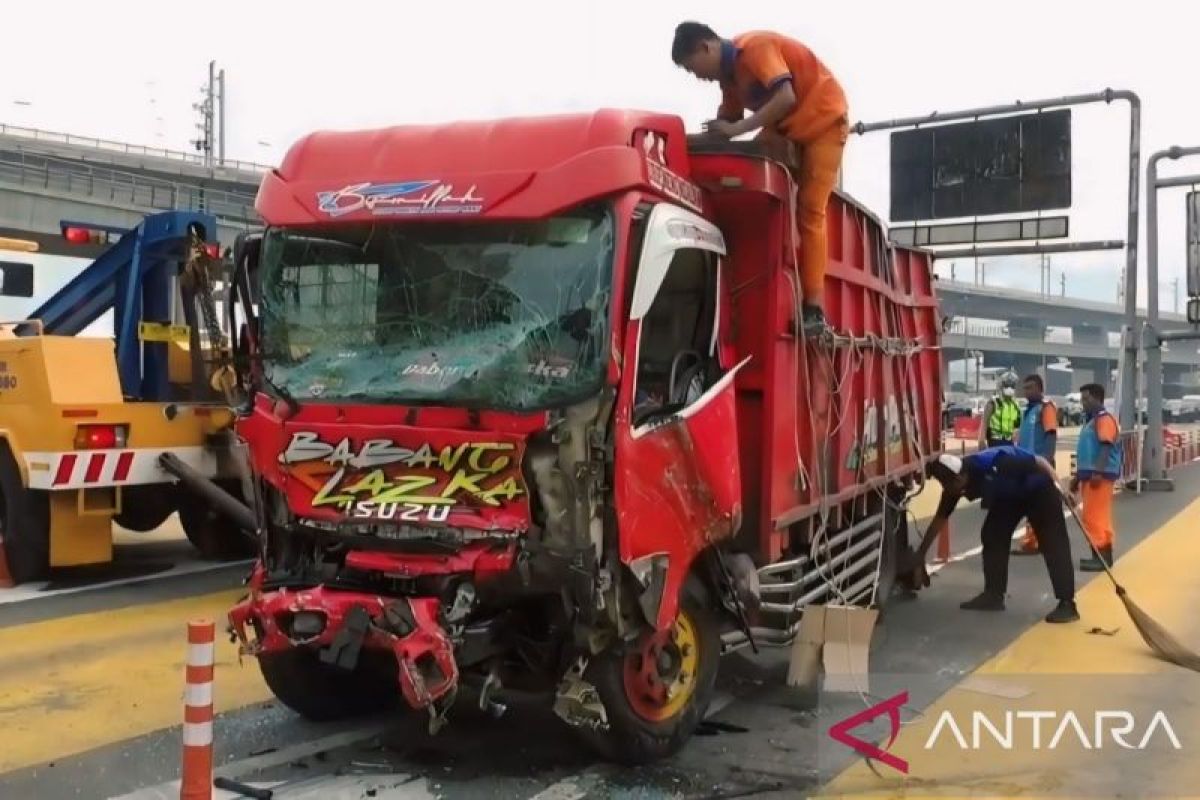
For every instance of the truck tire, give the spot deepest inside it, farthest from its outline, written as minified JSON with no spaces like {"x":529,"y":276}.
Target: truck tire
{"x":24,"y":524}
{"x":644,"y":725}
{"x":321,"y":692}
{"x":211,"y":532}
{"x":144,"y":508}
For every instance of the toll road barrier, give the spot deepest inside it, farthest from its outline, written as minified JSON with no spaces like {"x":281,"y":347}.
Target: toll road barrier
{"x":967,"y":427}
{"x":197,"y":761}
{"x":1131,"y":448}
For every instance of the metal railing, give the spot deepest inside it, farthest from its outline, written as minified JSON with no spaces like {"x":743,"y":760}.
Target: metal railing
{"x":117,"y":187}
{"x":195,"y":159}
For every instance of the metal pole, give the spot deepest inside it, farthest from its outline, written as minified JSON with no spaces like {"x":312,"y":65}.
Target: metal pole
{"x":208,"y":115}
{"x":1154,"y":460}
{"x":1128,"y":389}
{"x":1031,"y":250}
{"x":221,"y":117}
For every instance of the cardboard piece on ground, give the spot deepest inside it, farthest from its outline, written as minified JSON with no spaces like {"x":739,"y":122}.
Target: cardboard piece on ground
{"x":848,"y":631}
{"x":805,"y":665}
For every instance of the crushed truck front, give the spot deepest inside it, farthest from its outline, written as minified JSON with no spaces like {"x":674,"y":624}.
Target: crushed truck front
{"x":503,"y":416}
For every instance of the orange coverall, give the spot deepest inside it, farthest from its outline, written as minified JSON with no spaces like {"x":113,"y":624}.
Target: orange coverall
{"x":1097,"y":494}
{"x":818,"y":126}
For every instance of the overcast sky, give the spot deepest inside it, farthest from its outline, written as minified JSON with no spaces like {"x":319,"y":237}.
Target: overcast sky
{"x":131,"y":71}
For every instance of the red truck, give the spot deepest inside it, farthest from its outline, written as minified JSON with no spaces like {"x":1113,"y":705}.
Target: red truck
{"x":531,"y":410}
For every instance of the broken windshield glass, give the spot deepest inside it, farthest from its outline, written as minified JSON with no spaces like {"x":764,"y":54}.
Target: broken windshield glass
{"x":507,"y":315}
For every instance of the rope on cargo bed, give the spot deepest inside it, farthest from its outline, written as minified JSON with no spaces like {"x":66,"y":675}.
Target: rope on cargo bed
{"x":855,"y":345}
{"x":855,"y":363}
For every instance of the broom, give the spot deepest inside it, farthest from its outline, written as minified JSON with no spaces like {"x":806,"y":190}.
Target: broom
{"x":1163,"y":644}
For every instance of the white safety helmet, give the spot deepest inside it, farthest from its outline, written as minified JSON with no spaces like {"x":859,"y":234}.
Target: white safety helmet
{"x":1008,"y":384}
{"x":951,"y":462}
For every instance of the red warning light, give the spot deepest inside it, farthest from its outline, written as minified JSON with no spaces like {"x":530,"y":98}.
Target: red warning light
{"x":213,"y":250}
{"x":77,"y":235}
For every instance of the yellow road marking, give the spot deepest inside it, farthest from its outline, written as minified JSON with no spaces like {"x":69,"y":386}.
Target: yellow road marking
{"x":1160,"y":575}
{"x":71,"y":684}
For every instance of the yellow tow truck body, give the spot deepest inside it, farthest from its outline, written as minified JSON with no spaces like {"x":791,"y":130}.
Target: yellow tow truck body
{"x":79,"y":450}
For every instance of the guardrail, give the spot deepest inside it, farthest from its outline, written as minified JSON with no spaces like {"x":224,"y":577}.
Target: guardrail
{"x":1180,"y":447}
{"x":115,"y":186}
{"x":195,"y":159}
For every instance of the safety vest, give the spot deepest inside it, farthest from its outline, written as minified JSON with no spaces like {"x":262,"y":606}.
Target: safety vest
{"x":1033,"y":432}
{"x":1003,"y":421}
{"x":1088,"y":450}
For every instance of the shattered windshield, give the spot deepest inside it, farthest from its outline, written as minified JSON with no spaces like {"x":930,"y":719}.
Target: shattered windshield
{"x":509,"y":315}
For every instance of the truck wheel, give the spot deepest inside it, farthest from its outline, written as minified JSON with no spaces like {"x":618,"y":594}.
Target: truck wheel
{"x":24,"y":524}
{"x":144,"y":508}
{"x":321,"y":692}
{"x":211,"y":532}
{"x":657,"y":690}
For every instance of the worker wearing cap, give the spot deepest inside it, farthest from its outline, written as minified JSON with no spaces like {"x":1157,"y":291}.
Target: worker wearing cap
{"x":794,"y":99}
{"x":1097,"y":468}
{"x":1001,"y":415}
{"x":1019,"y":485}
{"x":1038,"y":434}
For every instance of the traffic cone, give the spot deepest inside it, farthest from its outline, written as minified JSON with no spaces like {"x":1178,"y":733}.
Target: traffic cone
{"x":196,"y":777}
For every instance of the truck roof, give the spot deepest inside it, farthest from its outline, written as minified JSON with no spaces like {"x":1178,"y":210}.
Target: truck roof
{"x":513,"y":168}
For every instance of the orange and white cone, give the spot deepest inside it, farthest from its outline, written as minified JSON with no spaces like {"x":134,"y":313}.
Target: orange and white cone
{"x":196,"y":777}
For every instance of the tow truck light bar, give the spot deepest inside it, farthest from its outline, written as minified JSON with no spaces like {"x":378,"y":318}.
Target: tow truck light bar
{"x":90,"y":233}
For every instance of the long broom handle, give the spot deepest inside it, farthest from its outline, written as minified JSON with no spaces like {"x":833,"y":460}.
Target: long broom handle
{"x":1099,"y":557}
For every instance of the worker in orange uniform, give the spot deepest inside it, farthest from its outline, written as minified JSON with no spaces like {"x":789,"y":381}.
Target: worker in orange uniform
{"x":1038,"y":434}
{"x":793,"y":98}
{"x":1097,"y":468}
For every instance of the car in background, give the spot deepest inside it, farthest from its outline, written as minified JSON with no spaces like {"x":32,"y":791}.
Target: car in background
{"x":1070,"y":412}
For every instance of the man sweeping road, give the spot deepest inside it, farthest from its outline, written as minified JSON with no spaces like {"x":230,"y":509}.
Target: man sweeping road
{"x":1016,"y":485}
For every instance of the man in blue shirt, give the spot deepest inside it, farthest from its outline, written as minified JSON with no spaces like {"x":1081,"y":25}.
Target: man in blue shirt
{"x":1015,"y":484}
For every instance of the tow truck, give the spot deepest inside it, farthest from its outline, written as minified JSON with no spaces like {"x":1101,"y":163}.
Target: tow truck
{"x":533,"y":410}
{"x":84,"y":421}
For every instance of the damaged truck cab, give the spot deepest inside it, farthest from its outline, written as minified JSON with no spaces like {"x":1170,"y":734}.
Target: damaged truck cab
{"x":533,"y":412}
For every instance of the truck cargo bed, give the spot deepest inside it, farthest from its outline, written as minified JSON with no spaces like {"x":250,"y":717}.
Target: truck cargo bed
{"x":823,"y":422}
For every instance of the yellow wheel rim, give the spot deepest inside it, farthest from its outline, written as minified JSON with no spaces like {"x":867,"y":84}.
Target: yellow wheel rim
{"x":660,"y":676}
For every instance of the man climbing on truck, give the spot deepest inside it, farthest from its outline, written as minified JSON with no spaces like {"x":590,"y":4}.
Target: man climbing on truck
{"x":796,"y":102}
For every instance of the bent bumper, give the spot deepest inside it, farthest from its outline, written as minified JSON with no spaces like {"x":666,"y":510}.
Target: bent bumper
{"x":408,"y":627}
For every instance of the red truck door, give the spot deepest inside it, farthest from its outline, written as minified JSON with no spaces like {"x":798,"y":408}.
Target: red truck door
{"x":678,"y":484}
